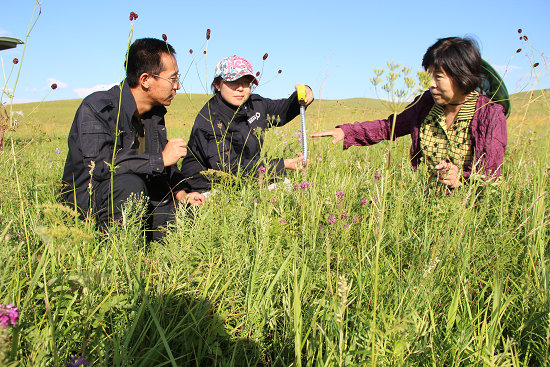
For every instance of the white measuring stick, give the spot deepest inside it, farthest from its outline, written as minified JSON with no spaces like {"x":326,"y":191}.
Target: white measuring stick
{"x":304,"y":136}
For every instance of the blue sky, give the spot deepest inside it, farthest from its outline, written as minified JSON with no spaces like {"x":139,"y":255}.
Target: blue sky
{"x":333,"y":46}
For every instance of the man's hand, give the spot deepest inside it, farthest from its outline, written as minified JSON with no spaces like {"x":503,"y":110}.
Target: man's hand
{"x":174,"y":150}
{"x":337,"y":134}
{"x":295,"y":164}
{"x":309,"y":95}
{"x":193,"y":198}
{"x":448,"y":174}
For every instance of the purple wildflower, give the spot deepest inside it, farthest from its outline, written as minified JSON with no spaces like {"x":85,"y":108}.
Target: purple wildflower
{"x":254,"y":201}
{"x":356,"y":219}
{"x":340,"y":194}
{"x":304,"y":185}
{"x":51,"y":159}
{"x":376,"y":175}
{"x":374,"y":199}
{"x":332,"y":219}
{"x":363,"y":201}
{"x":273,"y":201}
{"x":8,"y":315}
{"x":78,"y":361}
{"x":285,"y":143}
{"x":57,"y":150}
{"x":261,"y":169}
{"x":319,"y":159}
{"x":344,"y":215}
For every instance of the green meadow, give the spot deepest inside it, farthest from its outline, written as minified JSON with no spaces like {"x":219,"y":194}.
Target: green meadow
{"x":352,"y":269}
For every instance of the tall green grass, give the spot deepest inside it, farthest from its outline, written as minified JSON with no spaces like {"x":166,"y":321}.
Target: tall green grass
{"x":411,"y":277}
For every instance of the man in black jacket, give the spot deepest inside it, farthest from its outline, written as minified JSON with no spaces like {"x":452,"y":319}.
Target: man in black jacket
{"x":116,"y":152}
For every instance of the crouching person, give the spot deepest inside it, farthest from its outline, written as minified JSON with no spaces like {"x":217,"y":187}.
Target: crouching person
{"x":118,"y":144}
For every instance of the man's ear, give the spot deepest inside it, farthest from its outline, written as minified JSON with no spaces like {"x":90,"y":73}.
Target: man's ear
{"x":144,"y":80}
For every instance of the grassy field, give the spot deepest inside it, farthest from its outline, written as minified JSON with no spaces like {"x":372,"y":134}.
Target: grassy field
{"x":350,"y":270}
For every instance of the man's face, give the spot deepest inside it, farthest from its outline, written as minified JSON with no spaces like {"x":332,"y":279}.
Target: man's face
{"x":163,"y":87}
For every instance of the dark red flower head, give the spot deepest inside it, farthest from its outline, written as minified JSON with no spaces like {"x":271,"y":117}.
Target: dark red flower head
{"x":204,"y":52}
{"x":133,"y":16}
{"x":519,"y":30}
{"x":265,"y":56}
{"x":518,"y":51}
{"x":280,"y":71}
{"x":191,"y":51}
{"x":208,"y":34}
{"x":258,"y":73}
{"x":164,"y":37}
{"x":54,"y":86}
{"x":535,"y":64}
{"x":525,"y":38}
{"x":16,"y":61}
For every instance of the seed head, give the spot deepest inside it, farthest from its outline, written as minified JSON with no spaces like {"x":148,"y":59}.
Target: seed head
{"x":258,"y":73}
{"x":265,"y":56}
{"x":280,"y":71}
{"x":191,"y":51}
{"x":519,"y":30}
{"x":535,"y":64}
{"x":518,"y":51}
{"x":15,"y":61}
{"x":54,"y":86}
{"x":204,"y":52}
{"x":525,"y":38}
{"x":133,"y":16}
{"x":164,"y":37}
{"x":208,"y":34}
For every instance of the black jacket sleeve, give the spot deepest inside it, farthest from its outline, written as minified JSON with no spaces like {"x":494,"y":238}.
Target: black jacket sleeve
{"x":286,"y":109}
{"x":96,"y":132}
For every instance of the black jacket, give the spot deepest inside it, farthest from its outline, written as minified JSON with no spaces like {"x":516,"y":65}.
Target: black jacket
{"x":92,"y":138}
{"x":229,"y":139}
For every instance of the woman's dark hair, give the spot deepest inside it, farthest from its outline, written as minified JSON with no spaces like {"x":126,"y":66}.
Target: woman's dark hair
{"x":144,"y":57}
{"x":459,"y":58}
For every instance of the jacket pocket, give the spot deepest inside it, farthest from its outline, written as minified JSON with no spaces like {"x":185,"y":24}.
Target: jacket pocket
{"x":93,"y":138}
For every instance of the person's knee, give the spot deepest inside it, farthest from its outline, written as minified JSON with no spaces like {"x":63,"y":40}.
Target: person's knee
{"x":127,"y":184}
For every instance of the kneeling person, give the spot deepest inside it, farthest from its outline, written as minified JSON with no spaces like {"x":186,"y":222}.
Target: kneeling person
{"x":130,"y":139}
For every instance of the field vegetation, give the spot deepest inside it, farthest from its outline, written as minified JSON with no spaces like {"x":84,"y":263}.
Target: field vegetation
{"x":355,"y":262}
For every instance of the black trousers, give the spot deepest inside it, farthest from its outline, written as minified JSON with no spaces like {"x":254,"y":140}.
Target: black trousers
{"x":161,"y":208}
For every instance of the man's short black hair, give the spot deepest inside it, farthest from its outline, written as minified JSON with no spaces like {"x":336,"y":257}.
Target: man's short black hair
{"x":459,"y":58}
{"x":144,"y":57}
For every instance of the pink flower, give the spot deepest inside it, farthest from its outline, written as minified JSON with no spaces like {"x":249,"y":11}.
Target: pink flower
{"x":254,"y":201}
{"x":344,"y":215}
{"x":208,"y":34}
{"x":332,"y":219}
{"x":261,"y":169}
{"x":376,"y":175}
{"x":8,"y":315}
{"x":273,"y":201}
{"x":340,"y":194}
{"x":374,"y":199}
{"x":282,"y":221}
{"x":363,"y":201}
{"x":304,"y":185}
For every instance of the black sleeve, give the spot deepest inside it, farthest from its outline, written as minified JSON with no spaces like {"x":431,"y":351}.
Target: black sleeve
{"x":286,"y":109}
{"x":97,"y":140}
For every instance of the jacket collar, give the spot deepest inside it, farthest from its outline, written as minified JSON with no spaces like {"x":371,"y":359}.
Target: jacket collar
{"x":129,"y":106}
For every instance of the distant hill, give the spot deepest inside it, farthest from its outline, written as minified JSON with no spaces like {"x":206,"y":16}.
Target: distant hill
{"x":55,"y":117}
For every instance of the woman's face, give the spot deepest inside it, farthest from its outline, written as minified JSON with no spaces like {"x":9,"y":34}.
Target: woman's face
{"x":236,"y":92}
{"x":444,"y":90}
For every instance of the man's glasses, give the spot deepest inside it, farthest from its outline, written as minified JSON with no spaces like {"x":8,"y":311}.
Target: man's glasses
{"x":174,"y":80}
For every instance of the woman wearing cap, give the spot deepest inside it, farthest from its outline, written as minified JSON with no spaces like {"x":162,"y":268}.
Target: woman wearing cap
{"x":454,"y":129}
{"x":227,"y":134}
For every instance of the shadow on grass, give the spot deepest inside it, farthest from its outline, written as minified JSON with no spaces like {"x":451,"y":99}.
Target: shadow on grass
{"x":186,"y":331}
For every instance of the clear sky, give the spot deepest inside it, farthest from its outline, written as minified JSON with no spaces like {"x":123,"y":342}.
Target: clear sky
{"x":333,"y":46}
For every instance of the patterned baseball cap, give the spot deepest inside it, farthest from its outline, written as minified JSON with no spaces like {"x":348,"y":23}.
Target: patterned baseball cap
{"x":232,"y":68}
